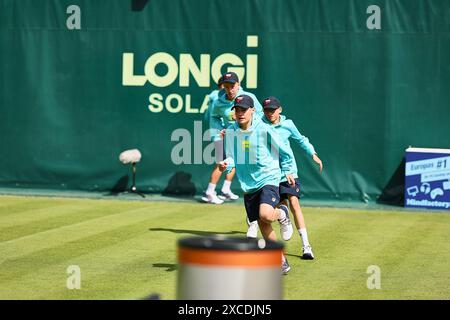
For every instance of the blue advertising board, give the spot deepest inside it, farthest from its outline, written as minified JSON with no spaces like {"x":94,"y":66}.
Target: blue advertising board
{"x":427,"y":178}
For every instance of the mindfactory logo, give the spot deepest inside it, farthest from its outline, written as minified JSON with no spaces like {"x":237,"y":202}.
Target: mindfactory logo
{"x":181,"y":69}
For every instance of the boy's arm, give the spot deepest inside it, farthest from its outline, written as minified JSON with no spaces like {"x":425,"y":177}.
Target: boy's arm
{"x":215,"y":124}
{"x":286,"y":160}
{"x":228,"y":164}
{"x":305,"y":144}
{"x":207,"y":114}
{"x":302,"y":141}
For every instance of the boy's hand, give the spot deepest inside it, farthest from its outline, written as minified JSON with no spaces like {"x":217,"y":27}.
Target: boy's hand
{"x":222,"y":133}
{"x":290,"y":179}
{"x":222,"y":166}
{"x":318,"y":161}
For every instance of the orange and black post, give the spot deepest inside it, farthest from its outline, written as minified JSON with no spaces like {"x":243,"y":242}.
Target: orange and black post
{"x":217,"y":268}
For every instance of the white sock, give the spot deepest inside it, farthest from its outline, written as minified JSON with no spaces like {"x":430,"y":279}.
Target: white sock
{"x":282,"y":214}
{"x":304,"y":235}
{"x":211,"y":188}
{"x":226,"y":186}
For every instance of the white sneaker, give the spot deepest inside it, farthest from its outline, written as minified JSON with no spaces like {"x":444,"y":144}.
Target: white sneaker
{"x":252,"y":231}
{"x":286,"y":229}
{"x":307,"y":253}
{"x":228,"y":196}
{"x":212,"y":198}
{"x":285,"y":267}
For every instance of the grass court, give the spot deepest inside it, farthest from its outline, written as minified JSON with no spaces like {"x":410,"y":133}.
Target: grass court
{"x":127,"y":249}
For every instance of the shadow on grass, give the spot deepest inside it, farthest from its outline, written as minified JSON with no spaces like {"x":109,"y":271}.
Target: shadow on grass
{"x":196,"y":232}
{"x":169,"y":266}
{"x":292,"y":255}
{"x":297,"y":256}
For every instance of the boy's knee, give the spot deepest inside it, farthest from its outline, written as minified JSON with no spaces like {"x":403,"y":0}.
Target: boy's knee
{"x":265,"y":219}
{"x":294,"y":203}
{"x":266,"y":213}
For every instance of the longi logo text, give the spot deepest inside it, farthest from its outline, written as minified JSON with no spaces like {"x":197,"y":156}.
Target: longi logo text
{"x":185,"y":71}
{"x":186,"y":65}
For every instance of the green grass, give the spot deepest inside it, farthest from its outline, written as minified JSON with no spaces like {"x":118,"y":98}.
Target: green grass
{"x":127,"y":249}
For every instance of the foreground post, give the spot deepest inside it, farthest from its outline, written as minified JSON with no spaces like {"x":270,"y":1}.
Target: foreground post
{"x":220,"y":268}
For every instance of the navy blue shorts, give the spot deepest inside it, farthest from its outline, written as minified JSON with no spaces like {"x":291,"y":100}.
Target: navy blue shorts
{"x":286,"y":189}
{"x":267,"y":194}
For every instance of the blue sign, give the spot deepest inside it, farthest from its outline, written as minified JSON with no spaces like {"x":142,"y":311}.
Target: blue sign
{"x":427,"y":178}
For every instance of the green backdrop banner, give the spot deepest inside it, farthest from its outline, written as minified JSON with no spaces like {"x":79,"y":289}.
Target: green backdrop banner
{"x":82,"y":81}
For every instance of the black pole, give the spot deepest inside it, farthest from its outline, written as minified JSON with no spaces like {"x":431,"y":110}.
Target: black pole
{"x":133,"y":188}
